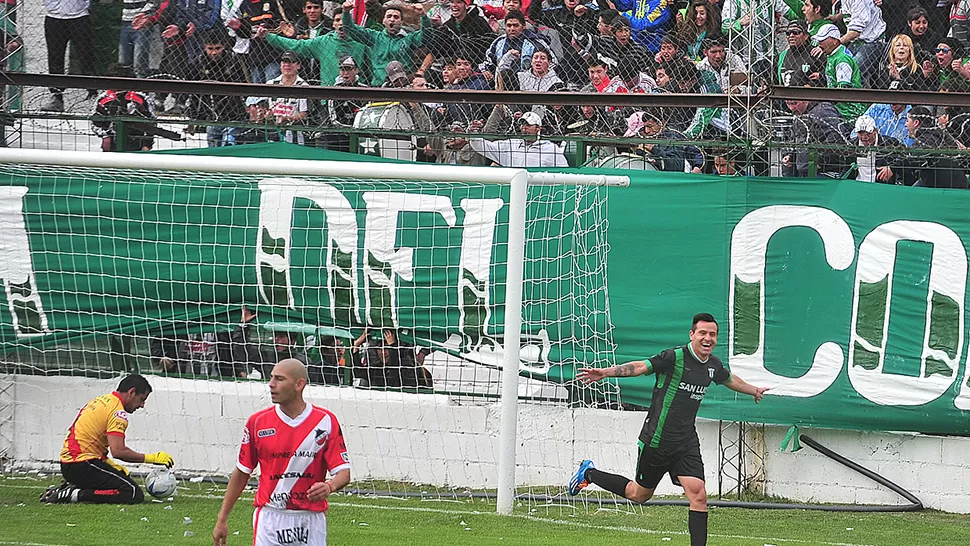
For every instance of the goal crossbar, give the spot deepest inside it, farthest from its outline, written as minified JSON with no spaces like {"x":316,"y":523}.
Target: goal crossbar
{"x":430,"y":172}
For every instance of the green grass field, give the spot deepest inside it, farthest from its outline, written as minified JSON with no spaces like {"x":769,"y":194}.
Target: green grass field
{"x":363,"y":521}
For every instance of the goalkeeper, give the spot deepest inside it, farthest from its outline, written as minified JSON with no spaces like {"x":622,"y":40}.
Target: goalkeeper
{"x":668,"y":441}
{"x":89,"y":475}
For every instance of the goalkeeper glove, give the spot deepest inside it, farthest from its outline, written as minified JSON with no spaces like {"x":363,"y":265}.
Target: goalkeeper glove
{"x":160,"y":457}
{"x":117,"y":466}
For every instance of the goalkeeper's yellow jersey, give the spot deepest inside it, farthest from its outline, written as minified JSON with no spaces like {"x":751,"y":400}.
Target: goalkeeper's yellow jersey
{"x":88,"y":436}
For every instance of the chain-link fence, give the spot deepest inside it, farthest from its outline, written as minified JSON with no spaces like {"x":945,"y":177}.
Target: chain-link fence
{"x":651,"y":47}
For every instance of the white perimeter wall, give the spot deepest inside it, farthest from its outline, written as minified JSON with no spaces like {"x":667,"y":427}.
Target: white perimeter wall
{"x":426,"y":439}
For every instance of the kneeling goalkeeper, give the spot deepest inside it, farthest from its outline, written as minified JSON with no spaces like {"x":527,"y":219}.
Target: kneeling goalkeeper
{"x":89,"y":475}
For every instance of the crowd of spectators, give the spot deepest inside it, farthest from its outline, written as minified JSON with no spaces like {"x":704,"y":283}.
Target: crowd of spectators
{"x":602,"y":46}
{"x":375,"y":359}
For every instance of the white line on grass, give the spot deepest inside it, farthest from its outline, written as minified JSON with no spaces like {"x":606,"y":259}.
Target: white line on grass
{"x":28,"y":543}
{"x":620,"y":528}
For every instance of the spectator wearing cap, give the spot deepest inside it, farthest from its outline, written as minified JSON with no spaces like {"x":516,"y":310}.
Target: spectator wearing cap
{"x":514,"y":50}
{"x":865,"y":34}
{"x":341,"y":113}
{"x":876,"y":161}
{"x":327,"y":49}
{"x":529,"y":151}
{"x":949,"y":63}
{"x":900,"y":67}
{"x":218,"y":63}
{"x":841,"y":70}
{"x":933,"y":169}
{"x":798,"y":57}
{"x":260,"y":58}
{"x":672,"y":154}
{"x":290,"y":111}
{"x":392,"y":43}
{"x":397,"y":76}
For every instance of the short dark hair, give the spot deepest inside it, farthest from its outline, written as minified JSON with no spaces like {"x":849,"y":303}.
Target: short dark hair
{"x":135,"y":381}
{"x":701,"y":317}
{"x":314,"y":2}
{"x":515,"y":14}
{"x":596,"y":60}
{"x":392,"y":7}
{"x":715,"y":41}
{"x":922,"y":114}
{"x":917,"y":12}
{"x":608,"y":15}
{"x":824,"y":7}
{"x":216,"y":36}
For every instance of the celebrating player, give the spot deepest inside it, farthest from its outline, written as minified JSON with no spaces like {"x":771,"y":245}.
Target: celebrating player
{"x":668,"y":441}
{"x":89,"y":475}
{"x":295,"y":445}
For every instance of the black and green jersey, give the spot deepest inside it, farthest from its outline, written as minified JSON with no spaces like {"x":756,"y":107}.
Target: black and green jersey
{"x":682,"y":381}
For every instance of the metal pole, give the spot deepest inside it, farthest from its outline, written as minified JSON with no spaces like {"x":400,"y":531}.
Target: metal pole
{"x":510,"y":341}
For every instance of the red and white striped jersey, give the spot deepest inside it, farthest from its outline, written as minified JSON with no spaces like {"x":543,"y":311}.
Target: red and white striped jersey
{"x":292,"y":455}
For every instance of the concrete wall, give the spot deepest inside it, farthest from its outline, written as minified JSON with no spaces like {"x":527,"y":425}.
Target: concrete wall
{"x":427,"y":439}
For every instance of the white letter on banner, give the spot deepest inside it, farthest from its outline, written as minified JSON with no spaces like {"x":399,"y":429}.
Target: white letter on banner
{"x":16,"y":268}
{"x":477,"y":238}
{"x":948,"y":278}
{"x":749,"y":248}
{"x":380,"y":234}
{"x":273,"y":240}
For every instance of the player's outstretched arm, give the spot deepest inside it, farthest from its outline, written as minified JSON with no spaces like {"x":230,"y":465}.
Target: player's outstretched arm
{"x":322,"y":490}
{"x":237,"y":483}
{"x":122,"y":452}
{"x":742,"y":386}
{"x":630,"y":369}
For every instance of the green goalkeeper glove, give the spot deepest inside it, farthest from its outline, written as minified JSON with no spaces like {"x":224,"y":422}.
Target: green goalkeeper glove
{"x":160,"y":457}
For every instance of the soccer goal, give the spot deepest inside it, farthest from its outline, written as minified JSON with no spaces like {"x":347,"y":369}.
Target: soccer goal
{"x":441,"y":310}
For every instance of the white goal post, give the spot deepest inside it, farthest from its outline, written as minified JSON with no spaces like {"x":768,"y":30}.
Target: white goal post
{"x":518,"y":180}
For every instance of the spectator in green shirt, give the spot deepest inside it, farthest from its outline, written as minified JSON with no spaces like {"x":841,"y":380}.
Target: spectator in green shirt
{"x":391,"y":44}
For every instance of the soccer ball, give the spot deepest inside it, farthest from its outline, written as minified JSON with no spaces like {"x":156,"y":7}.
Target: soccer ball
{"x":160,"y":482}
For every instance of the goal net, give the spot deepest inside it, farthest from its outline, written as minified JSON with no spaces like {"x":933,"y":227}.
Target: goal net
{"x":392,"y":290}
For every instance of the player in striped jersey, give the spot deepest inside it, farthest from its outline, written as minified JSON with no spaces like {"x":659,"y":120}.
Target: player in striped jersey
{"x":668,"y":441}
{"x":295,"y":445}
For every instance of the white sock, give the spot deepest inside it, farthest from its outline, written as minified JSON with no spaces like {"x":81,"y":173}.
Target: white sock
{"x":74,"y":495}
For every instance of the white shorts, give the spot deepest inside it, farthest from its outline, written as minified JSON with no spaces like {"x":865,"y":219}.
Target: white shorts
{"x":272,"y":527}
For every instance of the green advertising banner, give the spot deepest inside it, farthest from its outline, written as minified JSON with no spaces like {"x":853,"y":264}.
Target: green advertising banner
{"x":847,"y":299}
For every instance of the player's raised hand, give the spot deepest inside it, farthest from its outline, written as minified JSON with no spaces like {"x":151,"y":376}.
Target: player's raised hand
{"x":160,"y":458}
{"x":759,"y":393}
{"x":589,"y":375}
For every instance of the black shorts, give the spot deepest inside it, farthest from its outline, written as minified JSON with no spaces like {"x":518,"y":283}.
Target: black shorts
{"x":682,"y":460}
{"x":101,"y":482}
